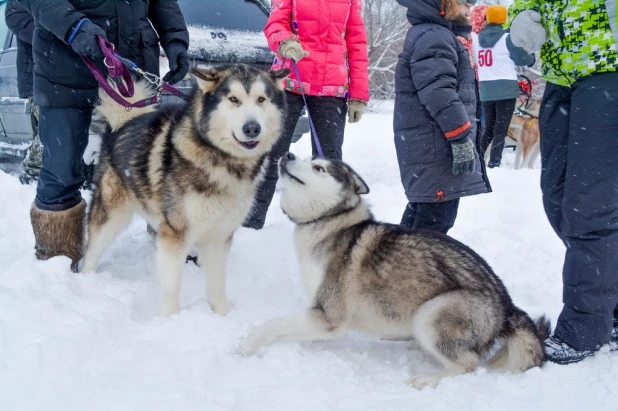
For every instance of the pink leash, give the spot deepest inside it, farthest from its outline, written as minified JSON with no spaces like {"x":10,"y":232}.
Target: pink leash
{"x":120,"y":69}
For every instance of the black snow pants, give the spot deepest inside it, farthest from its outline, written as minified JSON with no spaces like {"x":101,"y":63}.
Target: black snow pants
{"x":328,"y":115}
{"x":579,"y":149}
{"x":497,"y":116}
{"x":439,"y":216}
{"x":64,"y":134}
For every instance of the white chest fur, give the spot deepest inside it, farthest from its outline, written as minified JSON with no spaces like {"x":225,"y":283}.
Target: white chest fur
{"x":312,"y":266}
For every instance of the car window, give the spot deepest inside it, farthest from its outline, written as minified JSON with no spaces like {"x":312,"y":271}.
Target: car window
{"x":245,"y":15}
{"x":3,"y":27}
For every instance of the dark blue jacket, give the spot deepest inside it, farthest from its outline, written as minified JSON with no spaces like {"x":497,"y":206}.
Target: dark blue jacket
{"x":436,"y":101}
{"x":60,"y":77}
{"x":20,"y":22}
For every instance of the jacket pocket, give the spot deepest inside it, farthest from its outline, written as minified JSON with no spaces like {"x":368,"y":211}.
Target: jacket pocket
{"x":149,"y":36}
{"x":416,"y":146}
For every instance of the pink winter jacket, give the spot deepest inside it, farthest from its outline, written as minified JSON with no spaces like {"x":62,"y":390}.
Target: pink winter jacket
{"x":333,"y":33}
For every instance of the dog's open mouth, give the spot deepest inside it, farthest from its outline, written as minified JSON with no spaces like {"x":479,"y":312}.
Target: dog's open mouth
{"x":285,"y":172}
{"x":249,"y":145}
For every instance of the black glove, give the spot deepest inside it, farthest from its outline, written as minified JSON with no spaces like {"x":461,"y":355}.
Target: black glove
{"x":464,"y":156}
{"x":178,"y":58}
{"x":84,"y":41}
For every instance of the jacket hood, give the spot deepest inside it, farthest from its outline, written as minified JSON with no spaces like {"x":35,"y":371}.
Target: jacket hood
{"x":424,"y":11}
{"x":489,"y":36}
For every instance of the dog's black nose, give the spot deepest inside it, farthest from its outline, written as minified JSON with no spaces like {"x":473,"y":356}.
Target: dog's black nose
{"x":251,"y":129}
{"x":290,"y":156}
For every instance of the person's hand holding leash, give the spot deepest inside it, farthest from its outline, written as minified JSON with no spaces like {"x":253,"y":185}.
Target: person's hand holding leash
{"x":178,"y":59}
{"x":292,"y":49}
{"x":83,"y":39}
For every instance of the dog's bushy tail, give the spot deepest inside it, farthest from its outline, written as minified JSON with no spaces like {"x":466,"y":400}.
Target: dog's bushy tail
{"x":523,"y":343}
{"x":115,"y":114}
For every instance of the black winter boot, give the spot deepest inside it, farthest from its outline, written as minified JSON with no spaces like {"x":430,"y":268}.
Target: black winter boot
{"x":559,"y":352}
{"x":613,"y":339}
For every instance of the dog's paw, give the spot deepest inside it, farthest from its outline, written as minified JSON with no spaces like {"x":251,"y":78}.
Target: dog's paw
{"x":166,"y":310}
{"x":424,"y":381}
{"x":248,"y":347}
{"x":222,"y":307}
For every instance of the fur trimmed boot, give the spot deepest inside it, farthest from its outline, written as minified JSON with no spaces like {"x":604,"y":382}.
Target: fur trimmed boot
{"x":59,"y":233}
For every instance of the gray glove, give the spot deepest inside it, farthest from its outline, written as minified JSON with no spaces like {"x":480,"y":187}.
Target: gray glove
{"x":464,"y":156}
{"x":356,"y":109}
{"x":527,"y":31}
{"x":292,"y":49}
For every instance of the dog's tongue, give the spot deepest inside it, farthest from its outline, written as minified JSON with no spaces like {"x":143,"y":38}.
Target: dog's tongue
{"x":251,"y":142}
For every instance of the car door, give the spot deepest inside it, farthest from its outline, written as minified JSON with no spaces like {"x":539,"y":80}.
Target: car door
{"x":15,"y":125}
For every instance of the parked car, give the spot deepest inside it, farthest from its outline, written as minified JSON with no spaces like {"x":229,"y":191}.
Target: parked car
{"x":227,"y":31}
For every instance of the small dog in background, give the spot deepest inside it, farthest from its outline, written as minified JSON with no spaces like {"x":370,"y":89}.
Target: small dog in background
{"x":525,"y":131}
{"x":389,"y":281}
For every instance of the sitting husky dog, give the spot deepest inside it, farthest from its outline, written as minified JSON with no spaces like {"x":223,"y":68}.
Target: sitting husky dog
{"x":191,"y":171}
{"x":393,"y":282}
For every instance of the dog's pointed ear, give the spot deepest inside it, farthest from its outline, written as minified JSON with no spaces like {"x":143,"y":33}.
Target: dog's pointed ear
{"x":278,"y":75}
{"x":361,"y":187}
{"x":207,"y":78}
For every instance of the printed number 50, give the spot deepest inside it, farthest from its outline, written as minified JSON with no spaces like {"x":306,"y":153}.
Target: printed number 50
{"x":486,"y":58}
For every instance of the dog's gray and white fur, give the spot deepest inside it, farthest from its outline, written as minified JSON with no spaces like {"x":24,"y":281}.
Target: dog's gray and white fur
{"x":191,"y":171}
{"x":393,"y":282}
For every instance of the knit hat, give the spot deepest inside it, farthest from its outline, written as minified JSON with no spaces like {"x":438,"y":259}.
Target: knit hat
{"x":496,"y":14}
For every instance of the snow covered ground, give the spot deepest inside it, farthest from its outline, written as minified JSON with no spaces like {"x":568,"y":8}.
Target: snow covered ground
{"x":94,"y":342}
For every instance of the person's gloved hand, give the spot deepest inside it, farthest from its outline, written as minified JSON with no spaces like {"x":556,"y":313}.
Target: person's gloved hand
{"x":178,"y":59}
{"x":84,"y":41}
{"x":292,"y":49}
{"x":356,"y":109}
{"x":527,"y":31}
{"x":464,"y":156}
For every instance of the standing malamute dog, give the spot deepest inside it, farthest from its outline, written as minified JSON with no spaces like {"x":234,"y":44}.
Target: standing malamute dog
{"x":393,"y":282}
{"x":191,"y":171}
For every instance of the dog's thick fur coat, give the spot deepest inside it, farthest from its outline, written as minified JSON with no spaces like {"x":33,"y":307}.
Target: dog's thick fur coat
{"x":393,"y":282}
{"x":191,"y":171}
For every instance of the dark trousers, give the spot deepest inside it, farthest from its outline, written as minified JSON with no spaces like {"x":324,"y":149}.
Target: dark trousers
{"x":328,"y":115}
{"x":497,"y":116}
{"x":431,"y":216}
{"x":64,"y":134}
{"x":579,"y":152}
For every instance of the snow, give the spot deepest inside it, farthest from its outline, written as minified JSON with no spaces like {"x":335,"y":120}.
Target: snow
{"x":94,"y":342}
{"x":243,"y":44}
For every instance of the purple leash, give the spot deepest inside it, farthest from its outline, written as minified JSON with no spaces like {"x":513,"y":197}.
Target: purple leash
{"x":119,"y":69}
{"x":318,"y":147}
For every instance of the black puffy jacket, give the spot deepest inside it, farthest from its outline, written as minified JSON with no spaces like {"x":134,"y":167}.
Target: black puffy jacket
{"x":60,"y":77}
{"x":20,"y":22}
{"x":436,"y":101}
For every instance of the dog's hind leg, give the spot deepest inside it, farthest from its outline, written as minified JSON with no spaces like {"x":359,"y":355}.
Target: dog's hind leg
{"x":214,"y":254}
{"x":171,"y":255}
{"x":456,"y":328}
{"x":310,"y":325}
{"x":110,"y":212}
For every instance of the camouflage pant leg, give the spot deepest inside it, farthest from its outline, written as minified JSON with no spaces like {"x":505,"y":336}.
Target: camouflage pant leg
{"x":34,"y":158}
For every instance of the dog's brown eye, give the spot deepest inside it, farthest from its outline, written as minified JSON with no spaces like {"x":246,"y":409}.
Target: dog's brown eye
{"x":234,"y":100}
{"x":319,"y":169}
{"x":261,"y":99}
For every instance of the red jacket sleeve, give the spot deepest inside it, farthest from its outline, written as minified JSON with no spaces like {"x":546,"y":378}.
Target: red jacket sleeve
{"x":356,"y":41}
{"x":279,"y":25}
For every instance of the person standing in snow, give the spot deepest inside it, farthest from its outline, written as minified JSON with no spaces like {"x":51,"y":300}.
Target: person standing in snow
{"x":496,"y":57}
{"x":21,"y":23}
{"x":435,"y":119}
{"x":65,"y":91}
{"x":327,"y":40}
{"x":579,"y":152}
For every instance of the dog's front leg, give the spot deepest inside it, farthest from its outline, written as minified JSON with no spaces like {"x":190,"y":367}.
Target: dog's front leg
{"x":306,"y":326}
{"x":213,"y":256}
{"x":171,"y":255}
